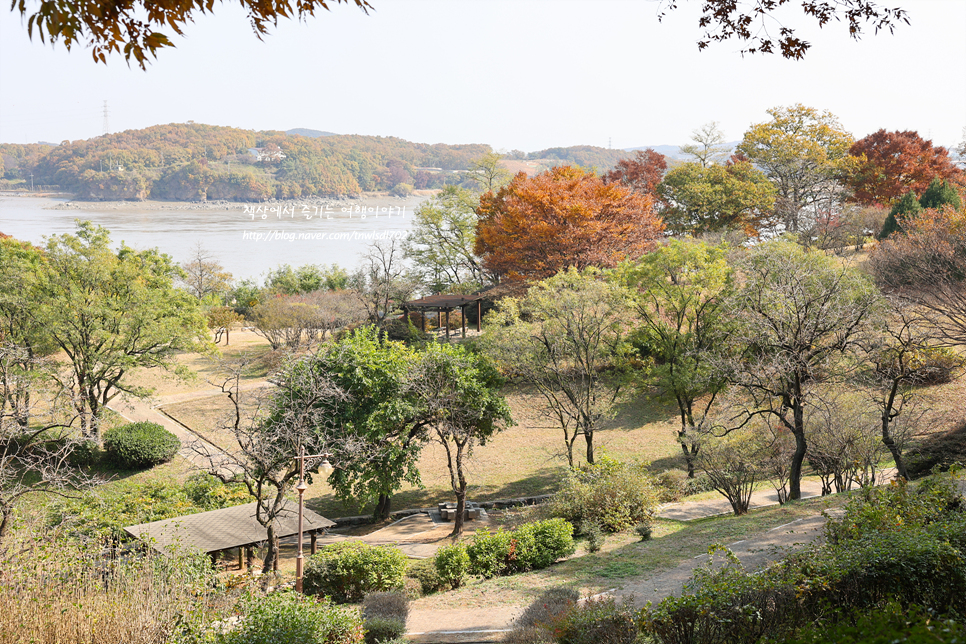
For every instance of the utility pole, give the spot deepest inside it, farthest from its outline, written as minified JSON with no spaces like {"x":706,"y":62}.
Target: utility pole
{"x":301,"y":488}
{"x":107,"y":126}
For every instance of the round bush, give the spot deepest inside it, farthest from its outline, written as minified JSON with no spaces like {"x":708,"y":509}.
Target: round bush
{"x":347,"y":571}
{"x":140,"y":445}
{"x":452,"y":564}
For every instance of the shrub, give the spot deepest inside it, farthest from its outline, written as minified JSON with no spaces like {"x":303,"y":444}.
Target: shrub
{"x":140,"y":445}
{"x":386,"y":604}
{"x":671,"y":485}
{"x":618,"y":495}
{"x":380,"y":630}
{"x":595,"y":536}
{"x":938,"y":452}
{"x":290,"y":618}
{"x":533,"y":546}
{"x":424,"y":572}
{"x":894,"y":625}
{"x":452,"y":564}
{"x":597,"y":621}
{"x":534,"y":626}
{"x":348,"y":570}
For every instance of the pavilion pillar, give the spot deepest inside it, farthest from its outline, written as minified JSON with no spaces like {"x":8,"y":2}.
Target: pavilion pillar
{"x":439,"y":318}
{"x":422,"y":321}
{"x":241,"y":558}
{"x":447,"y":325}
{"x":315,"y":543}
{"x":479,"y":314}
{"x":249,"y":557}
{"x":463,"y":319}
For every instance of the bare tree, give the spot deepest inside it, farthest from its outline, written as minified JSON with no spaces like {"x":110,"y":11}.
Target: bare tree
{"x":268,"y":432}
{"x":797,"y":315}
{"x":36,"y":434}
{"x":382,"y":282}
{"x":203,"y":275}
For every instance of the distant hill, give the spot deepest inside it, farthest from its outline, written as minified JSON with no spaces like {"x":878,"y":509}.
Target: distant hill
{"x":586,"y":156}
{"x":312,"y":134}
{"x":674,"y":151}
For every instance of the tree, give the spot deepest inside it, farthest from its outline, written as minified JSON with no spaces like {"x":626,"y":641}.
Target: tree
{"x":801,"y":151}
{"x":925,"y":265}
{"x":709,"y":147}
{"x":36,"y":433}
{"x":887,"y":165}
{"x":487,"y":172}
{"x":459,"y":393}
{"x":681,"y":290}
{"x":441,"y":242}
{"x":564,"y":217}
{"x":937,"y":195}
{"x":749,"y":21}
{"x":279,"y":422}
{"x":641,"y":173}
{"x":220,"y":320}
{"x":797,"y":315}
{"x":566,"y":339}
{"x":377,"y":433}
{"x":203,"y":275}
{"x":112,"y":312}
{"x":715,"y":198}
{"x":128,"y":27}
{"x":382,"y":282}
{"x":307,"y":278}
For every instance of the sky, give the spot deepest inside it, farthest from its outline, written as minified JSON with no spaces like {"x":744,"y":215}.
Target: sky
{"x":514,"y":74}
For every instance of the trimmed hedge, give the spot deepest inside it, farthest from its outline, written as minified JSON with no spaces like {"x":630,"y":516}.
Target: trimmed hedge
{"x":137,"y":446}
{"x":349,"y":570}
{"x":530,"y":547}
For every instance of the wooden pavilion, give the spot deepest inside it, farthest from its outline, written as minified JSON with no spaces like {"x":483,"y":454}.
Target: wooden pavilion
{"x":444,"y":304}
{"x":229,"y":528}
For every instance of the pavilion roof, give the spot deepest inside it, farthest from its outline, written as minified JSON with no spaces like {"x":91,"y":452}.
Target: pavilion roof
{"x":226,"y":528}
{"x":442,"y":301}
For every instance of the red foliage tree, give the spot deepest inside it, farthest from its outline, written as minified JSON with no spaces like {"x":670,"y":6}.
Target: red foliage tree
{"x":567,"y":216}
{"x":642,"y":173}
{"x":889,"y":164}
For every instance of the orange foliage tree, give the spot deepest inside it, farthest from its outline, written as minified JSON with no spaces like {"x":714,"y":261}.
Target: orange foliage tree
{"x":567,"y":216}
{"x":642,"y":173}
{"x":887,"y":165}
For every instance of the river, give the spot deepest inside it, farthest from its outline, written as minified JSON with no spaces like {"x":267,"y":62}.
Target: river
{"x":246,"y":239}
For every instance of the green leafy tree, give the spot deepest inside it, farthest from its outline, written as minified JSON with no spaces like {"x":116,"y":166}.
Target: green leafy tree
{"x":441,"y":241}
{"x":798,"y":317}
{"x":566,"y":339}
{"x":380,"y":426}
{"x":110,"y":313}
{"x":712,"y":198}
{"x":802,"y":151}
{"x":907,"y":206}
{"x":709,"y":147}
{"x":938,"y":194}
{"x":681,"y":290}
{"x":459,"y":395}
{"x":487,"y":172}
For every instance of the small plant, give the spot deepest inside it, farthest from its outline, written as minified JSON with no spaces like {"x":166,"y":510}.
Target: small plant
{"x":452,"y":564}
{"x":290,"y":618}
{"x":643,"y":530}
{"x":595,"y":536}
{"x":140,"y":445}
{"x":533,"y":546}
{"x":381,"y":630}
{"x":534,"y":626}
{"x":348,"y":570}
{"x":384,"y":616}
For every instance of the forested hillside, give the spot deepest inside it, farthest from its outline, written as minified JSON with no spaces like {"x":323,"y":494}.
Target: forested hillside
{"x":193,"y":161}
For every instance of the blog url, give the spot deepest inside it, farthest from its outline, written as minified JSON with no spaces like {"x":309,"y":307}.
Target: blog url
{"x":281,"y":235}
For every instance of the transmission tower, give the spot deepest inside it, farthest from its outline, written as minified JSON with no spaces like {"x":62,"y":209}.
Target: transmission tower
{"x":107,"y":126}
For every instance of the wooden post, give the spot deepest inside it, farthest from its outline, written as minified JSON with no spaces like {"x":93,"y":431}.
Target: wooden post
{"x":315,"y":543}
{"x":439,"y":318}
{"x":479,"y":314}
{"x":463,"y":318}
{"x":249,"y":557}
{"x":241,"y":558}
{"x":447,"y":325}
{"x":422,"y":320}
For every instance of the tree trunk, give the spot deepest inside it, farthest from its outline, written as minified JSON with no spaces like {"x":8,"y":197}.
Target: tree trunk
{"x":460,"y":518}
{"x":798,"y":458}
{"x":589,"y":437}
{"x":890,"y":444}
{"x":271,"y":557}
{"x":689,"y":452}
{"x":383,"y":507}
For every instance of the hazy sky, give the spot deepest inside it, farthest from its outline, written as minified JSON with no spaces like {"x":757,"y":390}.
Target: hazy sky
{"x":523,"y":74}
